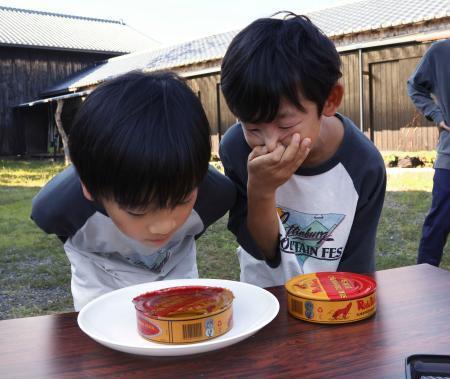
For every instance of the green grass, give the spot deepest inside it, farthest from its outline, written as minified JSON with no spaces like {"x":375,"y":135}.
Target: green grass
{"x":406,"y":180}
{"x":216,"y":253}
{"x":408,"y":199}
{"x":427,"y":157}
{"x":32,"y":264}
{"x":27,"y":173}
{"x":35,"y":273}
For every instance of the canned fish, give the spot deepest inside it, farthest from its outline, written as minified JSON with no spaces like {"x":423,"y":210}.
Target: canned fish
{"x":331,"y":297}
{"x":184,"y":314}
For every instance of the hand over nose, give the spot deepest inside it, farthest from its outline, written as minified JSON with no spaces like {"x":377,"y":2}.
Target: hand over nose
{"x":268,"y":170}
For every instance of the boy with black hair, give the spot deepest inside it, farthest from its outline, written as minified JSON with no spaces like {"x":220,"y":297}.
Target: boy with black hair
{"x":310,"y":185}
{"x":140,"y":190}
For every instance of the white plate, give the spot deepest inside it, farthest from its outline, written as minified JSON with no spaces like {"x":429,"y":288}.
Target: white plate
{"x":111,"y":318}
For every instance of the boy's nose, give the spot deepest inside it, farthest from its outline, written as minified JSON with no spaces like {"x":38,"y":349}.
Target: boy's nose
{"x":271,"y":141}
{"x":162,"y":227}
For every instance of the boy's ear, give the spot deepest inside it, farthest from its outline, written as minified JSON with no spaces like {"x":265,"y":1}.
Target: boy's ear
{"x":86,"y":193}
{"x":334,"y":100}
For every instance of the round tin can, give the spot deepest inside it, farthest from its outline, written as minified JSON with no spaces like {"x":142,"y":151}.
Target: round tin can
{"x":173,"y":325}
{"x":331,"y":297}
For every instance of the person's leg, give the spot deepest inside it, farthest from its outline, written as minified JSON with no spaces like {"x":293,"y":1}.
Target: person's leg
{"x":437,"y":223}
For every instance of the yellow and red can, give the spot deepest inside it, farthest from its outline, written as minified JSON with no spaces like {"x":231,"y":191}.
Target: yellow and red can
{"x":184,"y":314}
{"x":331,"y":297}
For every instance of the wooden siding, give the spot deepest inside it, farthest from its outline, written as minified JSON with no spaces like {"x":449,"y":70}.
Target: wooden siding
{"x":24,"y":74}
{"x":219,"y":116}
{"x":391,"y":119}
{"x":205,"y":88}
{"x":350,"y":80}
{"x":34,"y":122}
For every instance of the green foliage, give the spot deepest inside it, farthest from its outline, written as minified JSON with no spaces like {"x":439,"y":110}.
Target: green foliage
{"x":427,"y":157}
{"x":217,"y":165}
{"x":215,"y":162}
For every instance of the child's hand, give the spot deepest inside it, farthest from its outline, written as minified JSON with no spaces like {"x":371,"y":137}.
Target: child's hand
{"x":269,"y":170}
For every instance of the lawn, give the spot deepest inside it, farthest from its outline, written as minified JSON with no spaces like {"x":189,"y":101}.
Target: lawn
{"x":35,"y":274}
{"x":407,"y":201}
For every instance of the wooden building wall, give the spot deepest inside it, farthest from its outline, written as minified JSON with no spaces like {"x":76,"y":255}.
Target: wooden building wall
{"x":350,"y":80}
{"x":24,"y":74}
{"x":219,"y":116}
{"x":40,"y":133}
{"x":390,"y":119}
{"x":394,"y":122}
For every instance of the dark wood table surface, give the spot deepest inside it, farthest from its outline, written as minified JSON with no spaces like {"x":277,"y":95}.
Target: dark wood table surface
{"x":413,"y":317}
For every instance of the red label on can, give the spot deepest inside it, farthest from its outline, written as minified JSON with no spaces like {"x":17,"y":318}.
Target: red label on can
{"x":332,"y":286}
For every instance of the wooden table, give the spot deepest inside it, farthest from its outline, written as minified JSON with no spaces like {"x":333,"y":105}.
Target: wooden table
{"x":413,"y":317}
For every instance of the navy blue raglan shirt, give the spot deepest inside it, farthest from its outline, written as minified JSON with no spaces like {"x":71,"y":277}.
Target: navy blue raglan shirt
{"x":328,"y":214}
{"x":431,"y":77}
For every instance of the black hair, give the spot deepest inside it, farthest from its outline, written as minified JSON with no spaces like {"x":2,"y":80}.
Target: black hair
{"x":273,"y":58}
{"x":141,"y":139}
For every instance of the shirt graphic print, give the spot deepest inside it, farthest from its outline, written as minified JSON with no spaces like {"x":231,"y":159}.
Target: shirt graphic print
{"x":306,"y":234}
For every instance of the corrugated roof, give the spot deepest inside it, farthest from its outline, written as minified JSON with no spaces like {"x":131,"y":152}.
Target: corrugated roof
{"x":377,"y":14}
{"x":29,"y":28}
{"x":349,"y":18}
{"x":201,"y":50}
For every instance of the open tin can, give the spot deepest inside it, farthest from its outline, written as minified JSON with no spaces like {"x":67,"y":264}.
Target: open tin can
{"x":184,"y":314}
{"x":331,"y":297}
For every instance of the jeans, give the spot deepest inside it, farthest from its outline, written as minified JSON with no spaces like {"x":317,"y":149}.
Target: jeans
{"x":437,"y":222}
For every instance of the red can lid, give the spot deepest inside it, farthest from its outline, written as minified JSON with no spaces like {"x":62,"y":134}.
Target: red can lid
{"x":331,"y":286}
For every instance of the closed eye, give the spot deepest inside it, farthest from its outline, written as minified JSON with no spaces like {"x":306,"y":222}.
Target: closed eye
{"x":136,"y":214}
{"x":288,"y":126}
{"x":250,"y":128}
